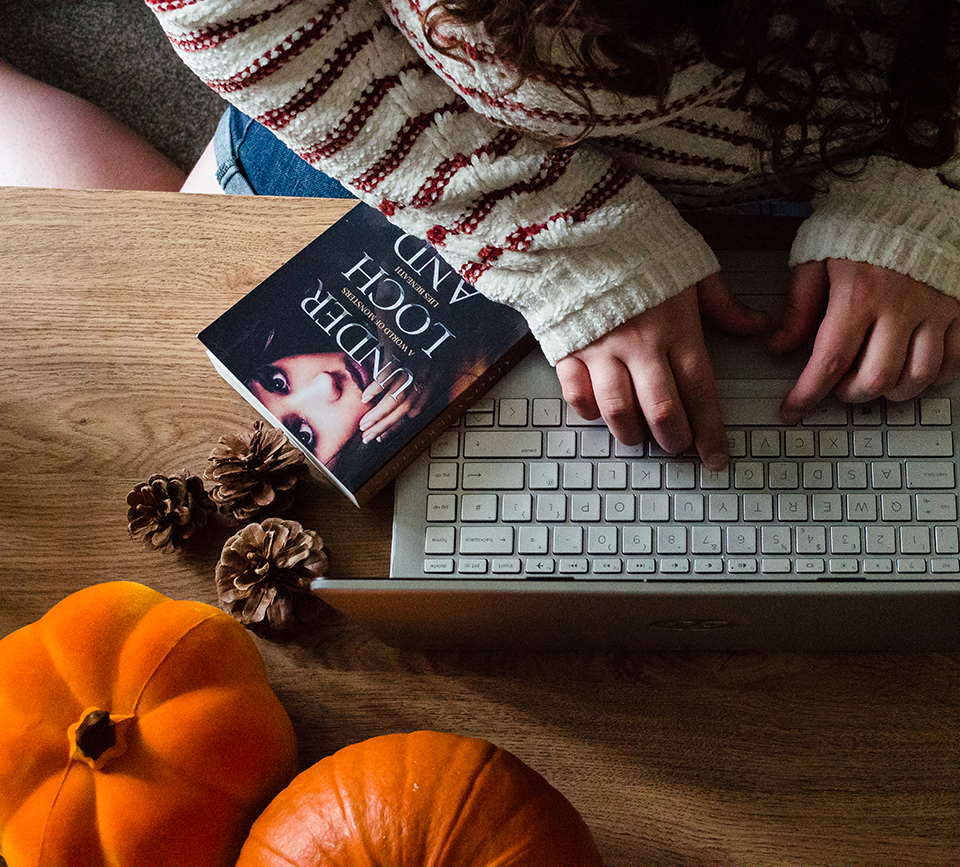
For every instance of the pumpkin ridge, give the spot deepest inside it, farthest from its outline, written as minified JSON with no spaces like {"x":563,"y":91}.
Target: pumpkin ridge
{"x":53,"y":806}
{"x":214,"y":784}
{"x":41,"y":860}
{"x":451,"y":832}
{"x":46,"y":632}
{"x":59,"y":671}
{"x":166,"y":654}
{"x":356,"y":827}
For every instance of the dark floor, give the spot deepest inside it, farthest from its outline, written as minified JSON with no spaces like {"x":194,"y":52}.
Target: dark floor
{"x":113,"y":53}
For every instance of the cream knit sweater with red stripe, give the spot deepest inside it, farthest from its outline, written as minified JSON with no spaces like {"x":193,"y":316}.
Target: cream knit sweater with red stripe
{"x":577,"y":238}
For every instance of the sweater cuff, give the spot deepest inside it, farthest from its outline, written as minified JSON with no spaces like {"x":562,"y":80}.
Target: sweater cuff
{"x":894,"y":216}
{"x":580,"y":294}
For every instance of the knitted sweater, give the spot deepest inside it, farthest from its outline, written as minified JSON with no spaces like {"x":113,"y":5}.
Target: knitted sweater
{"x":577,"y":238}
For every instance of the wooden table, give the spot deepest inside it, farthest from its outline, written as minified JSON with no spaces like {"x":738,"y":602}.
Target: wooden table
{"x":747,"y":759}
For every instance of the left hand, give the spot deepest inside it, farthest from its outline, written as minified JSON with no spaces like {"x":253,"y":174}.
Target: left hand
{"x":882,"y":334}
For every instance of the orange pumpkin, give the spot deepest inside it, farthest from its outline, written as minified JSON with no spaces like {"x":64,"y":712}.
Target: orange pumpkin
{"x":135,"y":730}
{"x":425,"y":799}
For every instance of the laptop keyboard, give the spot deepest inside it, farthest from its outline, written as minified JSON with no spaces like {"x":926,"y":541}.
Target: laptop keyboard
{"x":523,"y":488}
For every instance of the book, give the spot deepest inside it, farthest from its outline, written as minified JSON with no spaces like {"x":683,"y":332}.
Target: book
{"x":363,"y":348}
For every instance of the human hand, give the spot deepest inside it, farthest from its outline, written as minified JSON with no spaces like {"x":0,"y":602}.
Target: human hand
{"x":652,"y":374}
{"x":384,"y":417}
{"x":879,"y":333}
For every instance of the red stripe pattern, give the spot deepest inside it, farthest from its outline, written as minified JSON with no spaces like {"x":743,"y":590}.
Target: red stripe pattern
{"x":211,"y":37}
{"x":434,"y":186}
{"x":404,"y":142}
{"x":522,"y":237}
{"x":282,"y":53}
{"x":318,"y":85}
{"x":356,"y":119}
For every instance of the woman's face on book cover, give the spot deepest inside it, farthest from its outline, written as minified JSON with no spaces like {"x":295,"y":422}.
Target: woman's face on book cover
{"x":316,"y":397}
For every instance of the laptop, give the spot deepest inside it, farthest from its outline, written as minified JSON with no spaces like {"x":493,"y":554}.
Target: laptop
{"x":527,"y":527}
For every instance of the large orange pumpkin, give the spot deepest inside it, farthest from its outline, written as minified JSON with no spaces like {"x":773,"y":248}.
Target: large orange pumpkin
{"x":425,"y":799}
{"x":135,"y":731}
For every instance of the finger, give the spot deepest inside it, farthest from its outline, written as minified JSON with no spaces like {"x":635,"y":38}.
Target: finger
{"x":576,"y":386}
{"x":613,"y":390}
{"x":697,"y":389}
{"x":662,"y":408}
{"x":719,"y":306}
{"x":805,"y":305}
{"x":951,"y":355}
{"x":838,"y":344}
{"x":371,"y":391}
{"x":377,"y":412}
{"x":881,"y":364}
{"x":922,"y":364}
{"x":382,"y":425}
{"x":388,"y":409}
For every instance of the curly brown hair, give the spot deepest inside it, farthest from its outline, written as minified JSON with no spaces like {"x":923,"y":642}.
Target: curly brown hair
{"x":802,"y":63}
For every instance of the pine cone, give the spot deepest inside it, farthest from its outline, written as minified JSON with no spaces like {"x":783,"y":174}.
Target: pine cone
{"x":251,"y":475}
{"x":164,"y":512}
{"x":265,"y":572}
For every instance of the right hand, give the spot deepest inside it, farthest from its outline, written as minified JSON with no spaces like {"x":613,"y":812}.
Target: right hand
{"x":651,"y":374}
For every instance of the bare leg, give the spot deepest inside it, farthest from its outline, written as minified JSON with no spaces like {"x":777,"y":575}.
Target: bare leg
{"x":203,"y":176}
{"x":49,"y":138}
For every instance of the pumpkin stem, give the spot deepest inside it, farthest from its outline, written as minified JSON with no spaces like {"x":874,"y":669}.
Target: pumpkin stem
{"x":99,"y":737}
{"x":96,"y":734}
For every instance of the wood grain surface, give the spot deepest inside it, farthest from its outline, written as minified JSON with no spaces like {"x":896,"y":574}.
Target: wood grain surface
{"x":673,"y":759}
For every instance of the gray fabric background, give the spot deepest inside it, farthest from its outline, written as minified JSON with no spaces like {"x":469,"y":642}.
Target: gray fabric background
{"x":113,"y":53}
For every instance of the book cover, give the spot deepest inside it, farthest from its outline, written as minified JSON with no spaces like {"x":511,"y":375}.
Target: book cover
{"x":364,"y":347}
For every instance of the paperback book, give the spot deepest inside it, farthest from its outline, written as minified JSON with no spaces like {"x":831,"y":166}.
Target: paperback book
{"x":364,"y":347}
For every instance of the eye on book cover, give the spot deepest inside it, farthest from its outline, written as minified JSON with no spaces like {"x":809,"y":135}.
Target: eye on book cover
{"x":364,"y":347}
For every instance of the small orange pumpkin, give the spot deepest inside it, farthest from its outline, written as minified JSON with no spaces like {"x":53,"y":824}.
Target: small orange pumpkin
{"x":425,"y":799}
{"x":135,"y":730}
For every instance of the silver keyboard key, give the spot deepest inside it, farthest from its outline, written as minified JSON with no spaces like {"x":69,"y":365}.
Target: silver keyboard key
{"x":551,"y":507}
{"x":478,"y":507}
{"x":440,"y":540}
{"x":935,"y":410}
{"x":503,"y":444}
{"x":546,"y":412}
{"x":493,"y":477}
{"x":602,"y":541}
{"x":637,"y":540}
{"x":486,"y":540}
{"x":917,"y":443}
{"x":619,"y":508}
{"x":930,"y":474}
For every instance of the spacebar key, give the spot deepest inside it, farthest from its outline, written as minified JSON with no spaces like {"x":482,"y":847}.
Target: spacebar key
{"x":493,"y":476}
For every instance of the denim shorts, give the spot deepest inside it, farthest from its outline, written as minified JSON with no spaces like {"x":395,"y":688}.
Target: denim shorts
{"x":252,"y":161}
